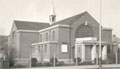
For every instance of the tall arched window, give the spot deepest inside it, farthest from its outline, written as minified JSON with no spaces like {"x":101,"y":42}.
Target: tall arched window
{"x":45,"y":48}
{"x":39,"y":49}
{"x":33,"y":49}
{"x":40,"y":38}
{"x":84,"y":31}
{"x":53,"y":35}
{"x":46,"y":36}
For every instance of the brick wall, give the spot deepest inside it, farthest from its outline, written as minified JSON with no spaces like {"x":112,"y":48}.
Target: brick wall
{"x":26,"y":40}
{"x":64,"y":38}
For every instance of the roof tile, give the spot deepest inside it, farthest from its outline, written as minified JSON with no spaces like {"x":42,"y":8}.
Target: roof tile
{"x":26,"y":25}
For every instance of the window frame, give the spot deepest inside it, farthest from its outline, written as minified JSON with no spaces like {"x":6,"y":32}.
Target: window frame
{"x":53,"y":35}
{"x":47,"y":36}
{"x":39,"y":49}
{"x":33,"y":49}
{"x":40,"y":37}
{"x":45,"y":48}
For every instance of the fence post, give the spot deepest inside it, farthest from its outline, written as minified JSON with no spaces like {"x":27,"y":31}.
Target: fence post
{"x":76,"y":61}
{"x":76,"y":56}
{"x":54,"y":61}
{"x":116,"y":57}
{"x":30,"y":61}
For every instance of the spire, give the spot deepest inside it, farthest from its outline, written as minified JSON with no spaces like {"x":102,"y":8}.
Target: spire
{"x":52,"y":11}
{"x":52,"y":16}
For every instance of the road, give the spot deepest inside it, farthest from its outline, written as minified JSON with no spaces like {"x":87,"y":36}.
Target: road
{"x":110,"y":66}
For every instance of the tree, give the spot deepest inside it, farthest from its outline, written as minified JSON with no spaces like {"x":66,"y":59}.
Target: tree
{"x":11,"y":56}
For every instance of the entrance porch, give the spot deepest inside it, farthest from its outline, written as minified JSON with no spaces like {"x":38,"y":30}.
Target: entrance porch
{"x":88,"y":50}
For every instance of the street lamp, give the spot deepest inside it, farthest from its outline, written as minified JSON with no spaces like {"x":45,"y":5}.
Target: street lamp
{"x":100,"y":30}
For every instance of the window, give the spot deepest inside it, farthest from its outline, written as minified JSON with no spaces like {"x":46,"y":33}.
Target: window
{"x":50,"y":35}
{"x":46,"y":36}
{"x":33,"y":49}
{"x":79,"y":50}
{"x":39,"y":49}
{"x":53,"y":35}
{"x":64,"y":48}
{"x":53,"y":18}
{"x":45,"y":48}
{"x":40,"y":38}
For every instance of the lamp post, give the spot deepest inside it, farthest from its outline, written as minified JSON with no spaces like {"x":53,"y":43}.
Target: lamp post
{"x":76,"y":55}
{"x":54,"y":63}
{"x":100,"y":30}
{"x":31,"y":56}
{"x":116,"y":56}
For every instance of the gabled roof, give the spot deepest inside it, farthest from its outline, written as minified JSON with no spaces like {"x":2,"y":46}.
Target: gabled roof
{"x":27,"y":25}
{"x":71,"y":20}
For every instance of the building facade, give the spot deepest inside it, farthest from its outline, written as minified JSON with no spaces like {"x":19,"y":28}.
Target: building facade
{"x":76,"y":36}
{"x":22,"y":35}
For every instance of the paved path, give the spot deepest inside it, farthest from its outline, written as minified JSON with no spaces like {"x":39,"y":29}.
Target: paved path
{"x":112,"y":65}
{"x":108,"y":66}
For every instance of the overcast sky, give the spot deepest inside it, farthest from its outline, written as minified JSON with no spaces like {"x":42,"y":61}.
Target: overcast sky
{"x":38,"y":11}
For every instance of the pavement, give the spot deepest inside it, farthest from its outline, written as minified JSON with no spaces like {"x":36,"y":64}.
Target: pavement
{"x":107,"y":66}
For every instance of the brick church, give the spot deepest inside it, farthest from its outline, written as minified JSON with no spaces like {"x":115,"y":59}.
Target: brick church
{"x":76,"y":36}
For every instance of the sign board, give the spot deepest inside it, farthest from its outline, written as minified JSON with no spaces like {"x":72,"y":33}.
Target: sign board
{"x":64,"y":48}
{"x":86,"y":38}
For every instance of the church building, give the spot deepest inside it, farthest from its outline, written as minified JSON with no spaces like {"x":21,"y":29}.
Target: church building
{"x":76,"y":36}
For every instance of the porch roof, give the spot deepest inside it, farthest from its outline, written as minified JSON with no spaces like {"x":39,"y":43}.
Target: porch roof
{"x":91,"y":42}
{"x":46,"y":42}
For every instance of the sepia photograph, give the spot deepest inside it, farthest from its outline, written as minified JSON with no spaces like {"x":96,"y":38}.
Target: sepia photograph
{"x":59,"y":34}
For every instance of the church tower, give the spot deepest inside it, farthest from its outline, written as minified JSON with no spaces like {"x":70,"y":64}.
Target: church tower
{"x":52,"y":16}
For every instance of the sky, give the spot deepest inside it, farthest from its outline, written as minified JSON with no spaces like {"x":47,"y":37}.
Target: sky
{"x":39,"y":10}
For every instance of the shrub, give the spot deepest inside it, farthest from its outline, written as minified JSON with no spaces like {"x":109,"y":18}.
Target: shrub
{"x":119,"y":58}
{"x":47,"y":64}
{"x":39,"y":64}
{"x":107,"y":61}
{"x":60,"y":63}
{"x":33,"y":62}
{"x":19,"y":66}
{"x":11,"y":62}
{"x":86,"y":63}
{"x":95,"y":60}
{"x":52,"y":61}
{"x":78,"y":60}
{"x":111,"y":57}
{"x":11,"y":56}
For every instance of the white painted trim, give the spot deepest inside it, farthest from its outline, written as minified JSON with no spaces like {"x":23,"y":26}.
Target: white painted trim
{"x":93,"y":52}
{"x":26,"y":31}
{"x":91,"y":42}
{"x":104,"y":52}
{"x":83,"y":52}
{"x":44,"y":42}
{"x":55,"y":26}
{"x":107,"y":29}
{"x":46,"y":60}
{"x":86,"y":39}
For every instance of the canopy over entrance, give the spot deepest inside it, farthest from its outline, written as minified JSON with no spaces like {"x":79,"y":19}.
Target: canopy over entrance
{"x":88,"y":48}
